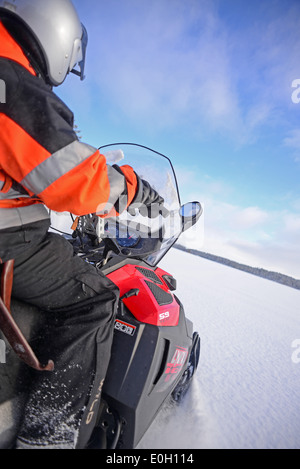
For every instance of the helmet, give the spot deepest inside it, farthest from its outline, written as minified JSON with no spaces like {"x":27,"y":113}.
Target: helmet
{"x":50,"y":30}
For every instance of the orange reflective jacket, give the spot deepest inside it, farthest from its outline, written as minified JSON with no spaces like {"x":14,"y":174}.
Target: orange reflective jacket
{"x":42,"y":162}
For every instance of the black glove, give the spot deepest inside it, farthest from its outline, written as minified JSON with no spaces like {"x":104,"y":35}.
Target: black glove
{"x":148,"y":202}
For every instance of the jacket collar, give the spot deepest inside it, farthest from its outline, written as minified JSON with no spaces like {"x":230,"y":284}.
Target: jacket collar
{"x":9,"y":49}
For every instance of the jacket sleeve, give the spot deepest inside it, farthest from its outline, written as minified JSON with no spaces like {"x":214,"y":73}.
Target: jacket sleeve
{"x":40,"y":150}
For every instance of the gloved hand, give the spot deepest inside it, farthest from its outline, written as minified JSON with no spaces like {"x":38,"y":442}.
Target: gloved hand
{"x":148,"y":202}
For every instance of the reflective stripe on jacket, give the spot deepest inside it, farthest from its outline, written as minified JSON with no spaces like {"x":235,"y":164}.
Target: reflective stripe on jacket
{"x":42,"y":162}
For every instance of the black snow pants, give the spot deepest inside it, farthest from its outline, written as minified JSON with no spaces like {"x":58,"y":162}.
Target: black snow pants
{"x":81,"y":304}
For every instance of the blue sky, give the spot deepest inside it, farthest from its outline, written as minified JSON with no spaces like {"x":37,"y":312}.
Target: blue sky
{"x":213,"y":84}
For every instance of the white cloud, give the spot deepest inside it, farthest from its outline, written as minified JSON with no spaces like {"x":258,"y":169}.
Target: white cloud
{"x":167,"y":65}
{"x":250,"y":217}
{"x":293,"y":141}
{"x":249,"y":235}
{"x":183,"y":64}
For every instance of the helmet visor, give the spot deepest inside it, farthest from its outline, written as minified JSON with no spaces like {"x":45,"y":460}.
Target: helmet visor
{"x":81,"y":62}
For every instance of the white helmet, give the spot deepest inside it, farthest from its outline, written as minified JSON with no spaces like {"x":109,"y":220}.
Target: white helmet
{"x":57,"y":30}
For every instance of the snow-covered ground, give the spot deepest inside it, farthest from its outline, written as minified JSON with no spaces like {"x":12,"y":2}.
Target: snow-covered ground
{"x":246,"y":390}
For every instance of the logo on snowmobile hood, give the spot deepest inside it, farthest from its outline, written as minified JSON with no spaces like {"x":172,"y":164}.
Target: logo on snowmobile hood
{"x":124,"y":327}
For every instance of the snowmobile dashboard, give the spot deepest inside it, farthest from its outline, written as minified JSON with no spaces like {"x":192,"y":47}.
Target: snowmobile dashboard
{"x":133,"y":239}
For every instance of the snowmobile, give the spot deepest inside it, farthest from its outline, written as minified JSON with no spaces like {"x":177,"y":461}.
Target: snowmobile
{"x":155,"y":350}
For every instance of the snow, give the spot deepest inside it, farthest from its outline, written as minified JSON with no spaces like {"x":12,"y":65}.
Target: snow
{"x":246,"y":390}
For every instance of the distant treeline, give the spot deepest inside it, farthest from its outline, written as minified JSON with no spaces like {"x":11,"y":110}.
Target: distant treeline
{"x":267,"y":274}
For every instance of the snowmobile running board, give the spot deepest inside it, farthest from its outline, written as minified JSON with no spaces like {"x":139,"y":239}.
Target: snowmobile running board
{"x":9,"y":327}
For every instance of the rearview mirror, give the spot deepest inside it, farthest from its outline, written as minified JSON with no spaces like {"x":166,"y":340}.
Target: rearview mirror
{"x":190,"y":214}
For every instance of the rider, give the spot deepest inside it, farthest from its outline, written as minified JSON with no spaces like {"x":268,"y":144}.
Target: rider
{"x":42,"y":163}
